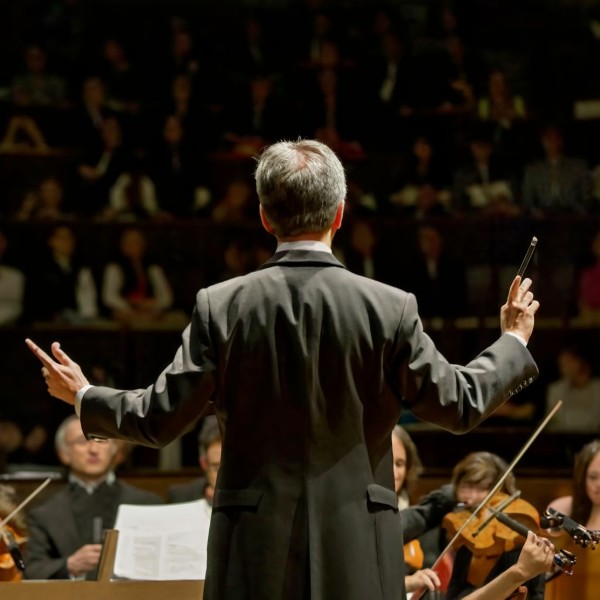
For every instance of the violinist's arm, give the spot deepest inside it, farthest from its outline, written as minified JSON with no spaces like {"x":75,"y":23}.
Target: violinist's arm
{"x":426,"y":515}
{"x":536,"y":557}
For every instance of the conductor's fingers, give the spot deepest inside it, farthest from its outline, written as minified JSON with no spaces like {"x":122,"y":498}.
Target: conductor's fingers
{"x":45,"y":358}
{"x":61,"y":357}
{"x":514,"y":290}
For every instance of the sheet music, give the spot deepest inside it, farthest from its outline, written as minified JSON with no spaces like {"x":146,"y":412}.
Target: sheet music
{"x":162,"y":542}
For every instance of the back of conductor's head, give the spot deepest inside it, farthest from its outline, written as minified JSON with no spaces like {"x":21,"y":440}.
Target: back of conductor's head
{"x":300,"y":186}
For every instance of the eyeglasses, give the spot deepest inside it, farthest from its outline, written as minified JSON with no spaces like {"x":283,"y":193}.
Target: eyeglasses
{"x":84,"y":442}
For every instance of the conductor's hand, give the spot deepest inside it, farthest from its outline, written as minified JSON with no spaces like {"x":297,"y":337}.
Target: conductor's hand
{"x":83,"y":560}
{"x":63,"y":376}
{"x":517,"y":315}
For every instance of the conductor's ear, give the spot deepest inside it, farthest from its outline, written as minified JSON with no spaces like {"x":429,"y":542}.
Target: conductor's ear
{"x":339,"y":215}
{"x":265,"y":221}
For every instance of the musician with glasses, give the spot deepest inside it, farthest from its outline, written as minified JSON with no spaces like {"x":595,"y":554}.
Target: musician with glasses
{"x":65,"y":532}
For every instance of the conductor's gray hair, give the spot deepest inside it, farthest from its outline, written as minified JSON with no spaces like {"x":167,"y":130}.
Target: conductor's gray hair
{"x":300,"y":185}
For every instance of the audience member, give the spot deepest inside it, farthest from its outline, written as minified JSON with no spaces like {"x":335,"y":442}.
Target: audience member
{"x":557,"y":184}
{"x":122,"y":83}
{"x":134,"y":287}
{"x":100,"y":172}
{"x":61,"y":270}
{"x":12,"y":288}
{"x":44,"y":203}
{"x":422,"y":167}
{"x":483,"y":185}
{"x":255,"y":117}
{"x":579,"y":390}
{"x":235,"y":205}
{"x":237,"y":259}
{"x":499,"y":104}
{"x":179,"y":175}
{"x":65,"y":532}
{"x":132,"y":197}
{"x":588,"y":295}
{"x":89,"y":115}
{"x":35,"y":86}
{"x":363,"y":252}
{"x":437,"y":279}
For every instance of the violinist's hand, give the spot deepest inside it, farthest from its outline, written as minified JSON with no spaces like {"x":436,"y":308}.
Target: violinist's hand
{"x":426,"y":578}
{"x":520,"y":594}
{"x":517,"y":315}
{"x":537,"y":557}
{"x":83,"y":560}
{"x":63,"y":376}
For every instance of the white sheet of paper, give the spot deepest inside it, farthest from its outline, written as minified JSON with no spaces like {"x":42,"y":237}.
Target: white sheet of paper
{"x":162,"y":542}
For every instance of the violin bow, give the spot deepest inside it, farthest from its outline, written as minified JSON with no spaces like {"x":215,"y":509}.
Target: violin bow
{"x":24,"y":503}
{"x":496,"y":487}
{"x":7,"y":536}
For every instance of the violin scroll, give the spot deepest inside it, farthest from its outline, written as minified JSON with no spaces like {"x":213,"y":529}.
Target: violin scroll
{"x":586,"y":538}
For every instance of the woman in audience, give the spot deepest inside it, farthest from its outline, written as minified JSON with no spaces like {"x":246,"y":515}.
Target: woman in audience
{"x":134,"y":287}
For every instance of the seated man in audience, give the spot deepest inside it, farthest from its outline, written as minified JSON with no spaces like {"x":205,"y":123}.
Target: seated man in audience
{"x":65,"y":532}
{"x":209,"y":447}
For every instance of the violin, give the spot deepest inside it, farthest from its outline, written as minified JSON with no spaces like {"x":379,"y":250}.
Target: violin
{"x":413,"y":555}
{"x":11,"y":558}
{"x":488,"y":538}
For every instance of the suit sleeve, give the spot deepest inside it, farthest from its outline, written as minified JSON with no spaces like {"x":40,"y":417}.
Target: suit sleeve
{"x":41,"y":560}
{"x":456,"y":398}
{"x":162,"y":412}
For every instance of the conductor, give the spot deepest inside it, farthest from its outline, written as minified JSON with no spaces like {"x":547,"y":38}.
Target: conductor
{"x":308,"y":367}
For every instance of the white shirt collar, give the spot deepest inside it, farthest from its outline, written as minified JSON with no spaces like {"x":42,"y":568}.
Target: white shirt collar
{"x":304,"y":245}
{"x":90,"y":488}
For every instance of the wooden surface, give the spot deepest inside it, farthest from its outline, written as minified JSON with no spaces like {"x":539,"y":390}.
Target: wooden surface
{"x":98,"y":590}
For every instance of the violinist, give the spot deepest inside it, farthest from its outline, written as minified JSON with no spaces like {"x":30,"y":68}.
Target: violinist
{"x":472,"y":479}
{"x":584,"y":503}
{"x":11,"y":563}
{"x":583,"y":506}
{"x":535,"y":559}
{"x":407,"y":468}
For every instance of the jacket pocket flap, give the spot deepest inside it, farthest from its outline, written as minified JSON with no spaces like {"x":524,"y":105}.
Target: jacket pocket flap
{"x":381,"y":495}
{"x":240,"y":498}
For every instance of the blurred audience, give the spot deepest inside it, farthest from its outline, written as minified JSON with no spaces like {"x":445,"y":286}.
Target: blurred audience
{"x":557,"y":184}
{"x":12,"y":288}
{"x":437,"y":279}
{"x":134,"y":286}
{"x":579,"y":390}
{"x":61,"y":287}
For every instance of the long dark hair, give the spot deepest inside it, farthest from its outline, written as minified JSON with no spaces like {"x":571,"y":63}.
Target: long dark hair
{"x":582,"y":505}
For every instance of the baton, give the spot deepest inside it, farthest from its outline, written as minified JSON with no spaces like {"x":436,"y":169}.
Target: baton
{"x":527,"y":257}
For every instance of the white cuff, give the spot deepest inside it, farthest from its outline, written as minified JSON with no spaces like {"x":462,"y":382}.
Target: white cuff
{"x":79,"y":398}
{"x":516,"y":335}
